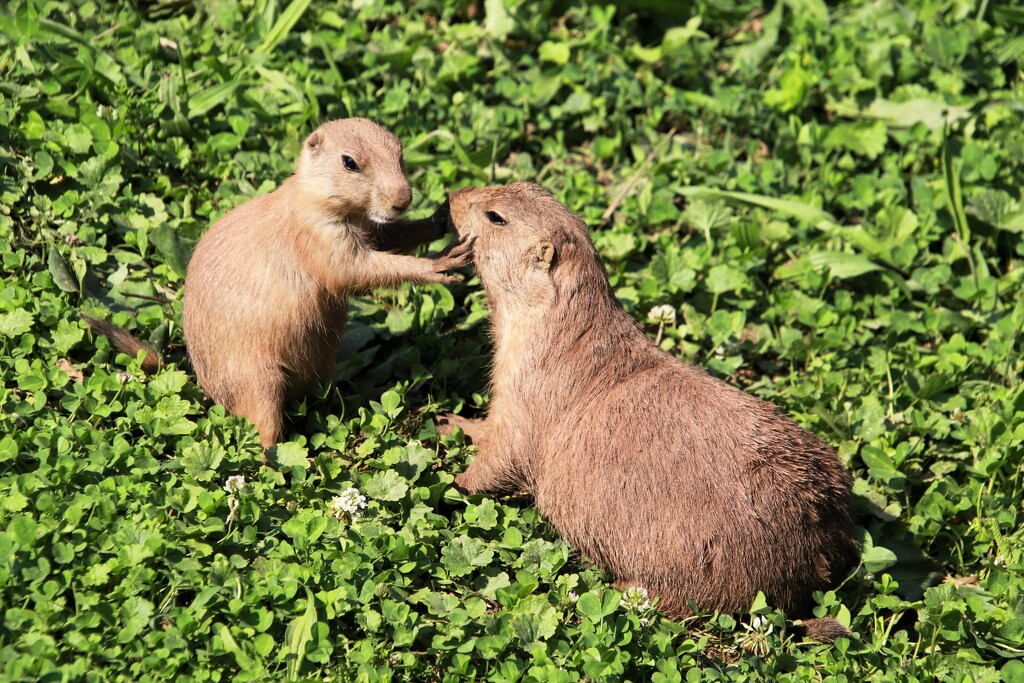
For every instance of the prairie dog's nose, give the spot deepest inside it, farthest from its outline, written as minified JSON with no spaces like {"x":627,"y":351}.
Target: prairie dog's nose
{"x":459,"y":202}
{"x":402,"y":199}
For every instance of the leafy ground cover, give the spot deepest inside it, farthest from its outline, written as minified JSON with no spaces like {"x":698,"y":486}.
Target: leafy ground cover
{"x":827,"y":199}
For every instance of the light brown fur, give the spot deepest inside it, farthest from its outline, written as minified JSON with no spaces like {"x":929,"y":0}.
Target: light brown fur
{"x":668,"y":478}
{"x":266,"y":290}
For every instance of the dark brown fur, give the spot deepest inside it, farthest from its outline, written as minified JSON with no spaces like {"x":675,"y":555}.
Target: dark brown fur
{"x":665,"y":476}
{"x":266,"y":290}
{"x":125,"y":342}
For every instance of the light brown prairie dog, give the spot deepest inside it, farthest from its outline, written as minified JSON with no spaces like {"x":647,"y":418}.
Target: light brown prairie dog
{"x":266,"y":290}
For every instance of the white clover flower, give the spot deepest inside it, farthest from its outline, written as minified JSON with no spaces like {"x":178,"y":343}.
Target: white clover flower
{"x":104,"y":111}
{"x":636,"y":598}
{"x":234,"y":484}
{"x":663,"y":315}
{"x":756,"y":640}
{"x":350,"y":501}
{"x":573,"y":597}
{"x":760,"y":623}
{"x":124,"y":377}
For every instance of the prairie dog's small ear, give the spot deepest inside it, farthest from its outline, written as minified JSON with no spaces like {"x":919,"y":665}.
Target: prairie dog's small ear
{"x":313,"y":142}
{"x":542,"y":255}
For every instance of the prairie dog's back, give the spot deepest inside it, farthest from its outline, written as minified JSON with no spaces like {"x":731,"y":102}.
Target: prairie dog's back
{"x":691,"y":486}
{"x":249,"y":296}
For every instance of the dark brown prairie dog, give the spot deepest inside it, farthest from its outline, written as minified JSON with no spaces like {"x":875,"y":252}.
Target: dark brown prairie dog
{"x":668,"y":478}
{"x":266,"y":290}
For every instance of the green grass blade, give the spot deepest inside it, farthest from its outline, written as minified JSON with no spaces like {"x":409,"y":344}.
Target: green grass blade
{"x":55,"y":28}
{"x":955,"y":200}
{"x":207,"y":99}
{"x":283,"y":25}
{"x":231,"y":645}
{"x":819,"y":218}
{"x":951,"y":173}
{"x":843,"y":264}
{"x":298,"y":635}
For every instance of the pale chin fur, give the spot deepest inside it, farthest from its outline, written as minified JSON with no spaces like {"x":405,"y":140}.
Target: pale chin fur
{"x":377,"y":217}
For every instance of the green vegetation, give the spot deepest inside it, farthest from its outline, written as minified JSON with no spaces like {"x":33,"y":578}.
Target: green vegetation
{"x":829,"y":198}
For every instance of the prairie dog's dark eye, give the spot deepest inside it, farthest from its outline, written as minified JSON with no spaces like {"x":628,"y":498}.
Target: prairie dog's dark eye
{"x":495,"y":218}
{"x":350,"y":163}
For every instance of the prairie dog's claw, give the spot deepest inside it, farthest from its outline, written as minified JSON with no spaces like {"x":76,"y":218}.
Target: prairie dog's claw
{"x":459,"y":255}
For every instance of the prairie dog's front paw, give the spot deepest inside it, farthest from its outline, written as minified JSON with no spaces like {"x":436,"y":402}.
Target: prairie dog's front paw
{"x":443,"y":278}
{"x":459,"y":255}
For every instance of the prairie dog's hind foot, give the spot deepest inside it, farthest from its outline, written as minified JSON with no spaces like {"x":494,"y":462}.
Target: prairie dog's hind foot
{"x":473,"y":427}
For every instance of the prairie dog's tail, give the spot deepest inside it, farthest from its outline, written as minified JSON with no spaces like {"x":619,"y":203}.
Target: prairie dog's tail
{"x":823,"y":630}
{"x":125,"y":342}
